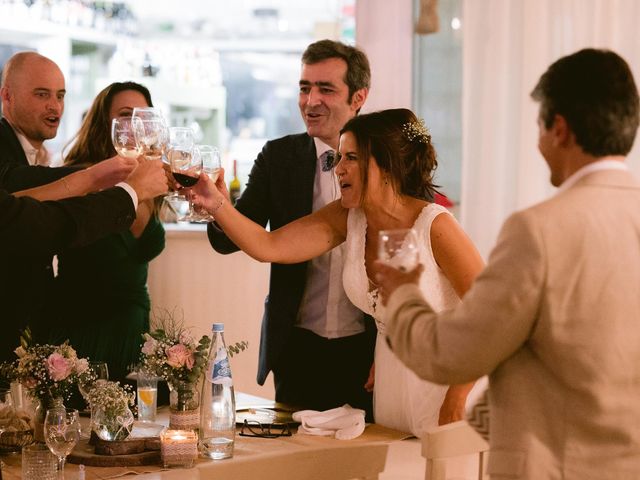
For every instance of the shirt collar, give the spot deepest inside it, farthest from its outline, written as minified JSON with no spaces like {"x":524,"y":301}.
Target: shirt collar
{"x":30,"y":151}
{"x":590,"y":168}
{"x":321,"y":147}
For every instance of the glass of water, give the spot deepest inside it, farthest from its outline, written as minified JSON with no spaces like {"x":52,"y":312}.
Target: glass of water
{"x":147,"y":392}
{"x":398,"y":248}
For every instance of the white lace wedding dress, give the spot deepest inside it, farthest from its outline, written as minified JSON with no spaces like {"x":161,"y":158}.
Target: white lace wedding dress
{"x":401,"y":400}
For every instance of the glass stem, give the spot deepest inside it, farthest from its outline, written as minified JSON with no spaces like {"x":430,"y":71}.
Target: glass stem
{"x":61,"y":461}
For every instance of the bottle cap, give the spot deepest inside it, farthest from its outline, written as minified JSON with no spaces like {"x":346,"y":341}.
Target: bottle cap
{"x":218,"y":327}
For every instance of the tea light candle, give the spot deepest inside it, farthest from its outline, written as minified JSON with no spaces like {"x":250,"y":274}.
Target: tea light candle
{"x":179,"y":448}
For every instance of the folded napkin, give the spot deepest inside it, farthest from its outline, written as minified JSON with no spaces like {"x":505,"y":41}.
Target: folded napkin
{"x":343,"y":423}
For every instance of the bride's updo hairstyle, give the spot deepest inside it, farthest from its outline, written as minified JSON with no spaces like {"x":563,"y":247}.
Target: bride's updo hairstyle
{"x":401,"y":146}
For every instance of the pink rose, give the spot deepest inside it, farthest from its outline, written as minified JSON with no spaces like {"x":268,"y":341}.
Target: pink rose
{"x":180,"y":355}
{"x":58,"y":366}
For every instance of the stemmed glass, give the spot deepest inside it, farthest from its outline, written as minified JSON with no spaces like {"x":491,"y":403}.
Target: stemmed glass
{"x":185,"y":166}
{"x":398,"y":248}
{"x":211,"y":165}
{"x":150,"y":132}
{"x":123,"y":139}
{"x":61,"y":433}
{"x":97,"y":372}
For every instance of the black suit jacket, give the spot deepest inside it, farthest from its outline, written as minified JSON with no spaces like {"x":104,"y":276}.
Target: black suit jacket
{"x":31,"y":232}
{"x":279,"y":190}
{"x":15,"y":172}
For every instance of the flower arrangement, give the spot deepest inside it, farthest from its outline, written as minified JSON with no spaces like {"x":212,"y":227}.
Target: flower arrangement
{"x":111,"y":417}
{"x":171,"y":352}
{"x":47,"y":371}
{"x":111,"y":397}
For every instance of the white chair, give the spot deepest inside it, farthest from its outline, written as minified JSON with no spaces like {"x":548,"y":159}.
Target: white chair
{"x":452,"y":440}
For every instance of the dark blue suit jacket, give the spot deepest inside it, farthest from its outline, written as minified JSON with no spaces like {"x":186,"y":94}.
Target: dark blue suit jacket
{"x":279,"y":190}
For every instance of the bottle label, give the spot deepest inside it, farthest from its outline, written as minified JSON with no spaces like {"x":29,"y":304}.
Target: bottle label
{"x":221,"y":371}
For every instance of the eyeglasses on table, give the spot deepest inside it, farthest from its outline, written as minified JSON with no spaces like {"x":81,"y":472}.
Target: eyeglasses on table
{"x":253,"y":428}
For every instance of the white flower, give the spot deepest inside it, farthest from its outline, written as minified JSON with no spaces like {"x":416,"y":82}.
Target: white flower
{"x":150,"y":345}
{"x":20,"y":352}
{"x":82,"y":365}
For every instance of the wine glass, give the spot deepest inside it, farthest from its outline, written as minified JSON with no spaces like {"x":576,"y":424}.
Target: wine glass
{"x":150,"y":132}
{"x":61,"y":433}
{"x":185,"y":166}
{"x":97,"y":372}
{"x":211,"y":165}
{"x":123,"y":139}
{"x":398,"y":248}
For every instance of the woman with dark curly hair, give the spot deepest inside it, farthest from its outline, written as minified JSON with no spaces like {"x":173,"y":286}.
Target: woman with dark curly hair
{"x":384,"y":170}
{"x":102,"y":298}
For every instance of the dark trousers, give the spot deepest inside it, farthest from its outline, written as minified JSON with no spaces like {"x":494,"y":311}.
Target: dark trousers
{"x":318,"y":373}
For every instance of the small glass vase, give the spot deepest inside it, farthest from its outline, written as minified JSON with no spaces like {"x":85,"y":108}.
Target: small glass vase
{"x":44,"y":404}
{"x":112,"y":424}
{"x":184,"y":402}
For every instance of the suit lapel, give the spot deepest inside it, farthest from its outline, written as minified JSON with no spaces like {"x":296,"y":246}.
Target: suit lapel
{"x":303,"y":164}
{"x":8,"y":139}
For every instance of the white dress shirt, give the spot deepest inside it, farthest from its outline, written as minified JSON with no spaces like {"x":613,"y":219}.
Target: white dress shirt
{"x":325,"y":308}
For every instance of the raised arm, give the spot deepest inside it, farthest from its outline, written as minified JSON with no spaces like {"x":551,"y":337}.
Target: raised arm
{"x":102,"y":175}
{"x":295,"y":242}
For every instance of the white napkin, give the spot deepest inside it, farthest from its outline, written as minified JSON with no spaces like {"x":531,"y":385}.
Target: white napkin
{"x":343,"y":423}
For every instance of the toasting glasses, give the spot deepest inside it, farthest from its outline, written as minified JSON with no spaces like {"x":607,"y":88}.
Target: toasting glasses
{"x":123,"y":139}
{"x":211,"y":165}
{"x":150,"y":132}
{"x":398,"y":248}
{"x":185,"y":162}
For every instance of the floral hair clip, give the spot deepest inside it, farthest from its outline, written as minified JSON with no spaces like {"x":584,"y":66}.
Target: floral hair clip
{"x":417,"y":131}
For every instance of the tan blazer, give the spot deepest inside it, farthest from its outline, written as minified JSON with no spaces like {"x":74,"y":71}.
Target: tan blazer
{"x":554,"y":319}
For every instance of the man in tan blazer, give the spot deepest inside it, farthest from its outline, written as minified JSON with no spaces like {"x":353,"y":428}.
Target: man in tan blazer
{"x":554,"y":319}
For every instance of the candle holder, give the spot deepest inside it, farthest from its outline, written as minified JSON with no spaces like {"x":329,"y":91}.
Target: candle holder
{"x":179,"y":448}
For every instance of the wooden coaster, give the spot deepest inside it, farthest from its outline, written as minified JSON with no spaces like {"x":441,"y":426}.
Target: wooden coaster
{"x":85,"y":454}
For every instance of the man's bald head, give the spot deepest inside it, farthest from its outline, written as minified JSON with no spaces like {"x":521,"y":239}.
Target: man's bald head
{"x":32,"y":93}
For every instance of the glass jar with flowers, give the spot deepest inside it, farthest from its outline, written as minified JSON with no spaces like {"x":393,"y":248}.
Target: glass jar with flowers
{"x":111,"y":417}
{"x":48,"y":373}
{"x":172,"y":353}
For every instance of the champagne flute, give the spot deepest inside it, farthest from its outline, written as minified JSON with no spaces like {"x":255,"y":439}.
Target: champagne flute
{"x":123,"y":139}
{"x":61,"y":433}
{"x":398,"y":248}
{"x":185,"y":166}
{"x":211,"y":165}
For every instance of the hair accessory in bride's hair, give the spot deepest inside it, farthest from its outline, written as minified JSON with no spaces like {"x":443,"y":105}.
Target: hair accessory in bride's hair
{"x":417,"y":131}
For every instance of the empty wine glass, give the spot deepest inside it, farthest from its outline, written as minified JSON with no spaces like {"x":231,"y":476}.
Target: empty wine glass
{"x":97,"y":372}
{"x":185,"y":165}
{"x":123,"y":139}
{"x":211,"y":165}
{"x":61,"y":433}
{"x":398,"y":248}
{"x":150,"y":132}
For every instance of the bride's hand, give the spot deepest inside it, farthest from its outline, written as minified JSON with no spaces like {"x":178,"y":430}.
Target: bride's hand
{"x":206,"y":194}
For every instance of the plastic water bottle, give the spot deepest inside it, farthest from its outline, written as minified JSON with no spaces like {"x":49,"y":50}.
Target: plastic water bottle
{"x":218,"y":403}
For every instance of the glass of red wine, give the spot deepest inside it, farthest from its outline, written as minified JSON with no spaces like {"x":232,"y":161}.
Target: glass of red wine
{"x":186,"y":166}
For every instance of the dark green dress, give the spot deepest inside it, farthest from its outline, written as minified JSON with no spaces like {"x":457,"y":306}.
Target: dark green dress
{"x":102,"y":301}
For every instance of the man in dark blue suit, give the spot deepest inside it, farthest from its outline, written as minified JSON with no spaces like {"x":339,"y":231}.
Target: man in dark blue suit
{"x":318,"y":345}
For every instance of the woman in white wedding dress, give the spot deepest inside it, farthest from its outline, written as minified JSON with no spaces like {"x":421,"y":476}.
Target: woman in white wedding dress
{"x":385,"y":170}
